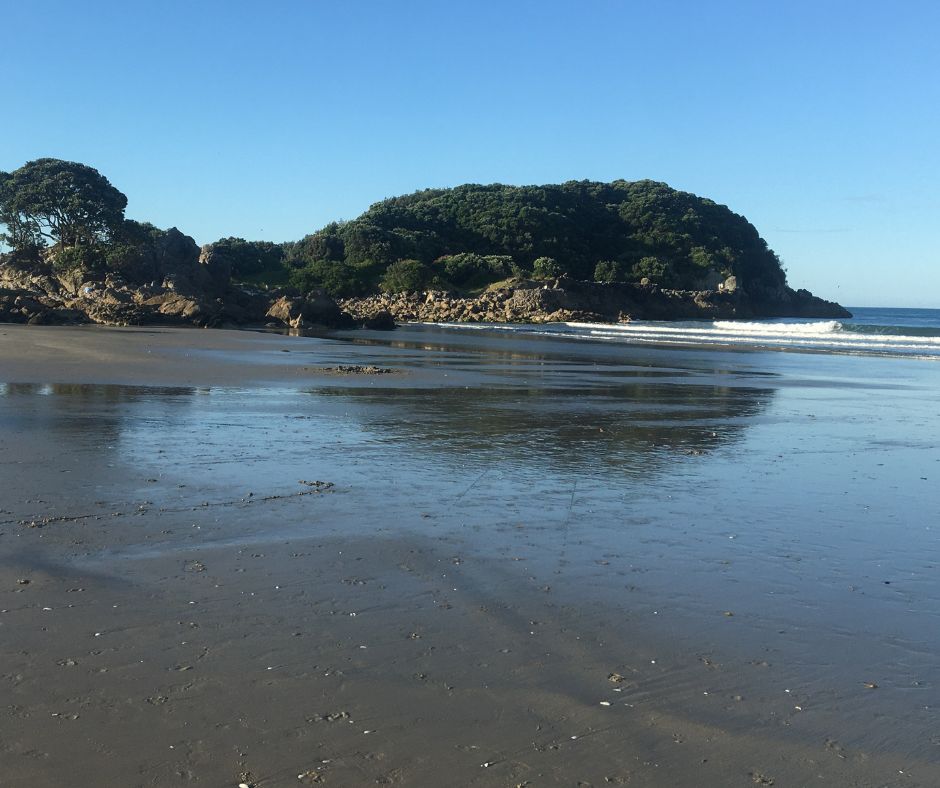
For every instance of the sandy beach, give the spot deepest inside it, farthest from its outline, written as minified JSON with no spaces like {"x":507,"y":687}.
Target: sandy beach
{"x":508,"y":562}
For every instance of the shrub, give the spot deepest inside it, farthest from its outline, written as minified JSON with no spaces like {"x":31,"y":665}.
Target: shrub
{"x":546,"y":268}
{"x":468,"y":269}
{"x":404,"y":276}
{"x":610,"y":271}
{"x":69,"y":258}
{"x":655,"y":270}
{"x":336,"y":279}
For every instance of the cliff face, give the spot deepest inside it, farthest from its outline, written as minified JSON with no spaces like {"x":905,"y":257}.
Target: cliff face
{"x":571,"y":300}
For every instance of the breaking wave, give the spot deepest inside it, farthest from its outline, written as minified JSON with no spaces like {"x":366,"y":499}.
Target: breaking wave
{"x":821,"y":336}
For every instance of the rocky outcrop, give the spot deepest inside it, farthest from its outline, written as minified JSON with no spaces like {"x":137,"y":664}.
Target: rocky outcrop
{"x":574,"y":301}
{"x":176,"y":285}
{"x":168,"y":280}
{"x":315,"y":309}
{"x":192,"y":287}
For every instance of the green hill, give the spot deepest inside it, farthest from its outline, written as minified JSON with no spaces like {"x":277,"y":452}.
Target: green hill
{"x":472,"y":235}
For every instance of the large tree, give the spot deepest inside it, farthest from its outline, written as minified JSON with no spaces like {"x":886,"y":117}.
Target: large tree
{"x":60,"y":202}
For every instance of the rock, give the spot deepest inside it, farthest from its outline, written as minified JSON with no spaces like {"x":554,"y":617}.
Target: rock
{"x":173,"y":304}
{"x":176,"y":282}
{"x":285,"y":310}
{"x":380,"y":321}
{"x":570,"y":300}
{"x":355,"y":369}
{"x":315,"y":309}
{"x":536,"y":300}
{"x":711,"y":281}
{"x":177,"y":257}
{"x":216,"y":264}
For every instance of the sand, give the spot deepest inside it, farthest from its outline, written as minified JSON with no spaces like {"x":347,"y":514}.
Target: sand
{"x":524,"y":564}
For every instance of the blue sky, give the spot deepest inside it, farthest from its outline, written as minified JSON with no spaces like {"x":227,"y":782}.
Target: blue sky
{"x":818,"y":121}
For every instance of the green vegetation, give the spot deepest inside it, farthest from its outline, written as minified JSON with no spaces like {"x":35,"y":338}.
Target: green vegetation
{"x":610,"y":271}
{"x":339,"y":280}
{"x":546,"y":268}
{"x":473,"y":235}
{"x":60,"y":203}
{"x":69,"y":216}
{"x":460,"y":239}
{"x":468,"y":270}
{"x":68,"y":204}
{"x":403,"y":276}
{"x":251,"y":260}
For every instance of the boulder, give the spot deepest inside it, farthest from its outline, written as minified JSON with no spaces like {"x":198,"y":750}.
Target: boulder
{"x":315,"y":309}
{"x":175,"y":305}
{"x":380,"y":321}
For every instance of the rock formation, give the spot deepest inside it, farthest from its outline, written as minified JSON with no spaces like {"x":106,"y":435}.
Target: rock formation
{"x":571,"y":300}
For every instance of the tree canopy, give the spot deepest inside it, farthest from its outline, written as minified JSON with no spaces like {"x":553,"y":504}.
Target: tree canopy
{"x":636,"y":230}
{"x":59,"y":202}
{"x":463,"y":238}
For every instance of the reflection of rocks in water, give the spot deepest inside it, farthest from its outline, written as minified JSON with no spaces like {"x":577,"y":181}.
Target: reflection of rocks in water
{"x":637,"y":427}
{"x":95,"y":391}
{"x":85,"y":415}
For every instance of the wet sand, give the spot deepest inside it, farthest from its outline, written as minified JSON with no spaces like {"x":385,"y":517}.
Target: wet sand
{"x":529,"y":562}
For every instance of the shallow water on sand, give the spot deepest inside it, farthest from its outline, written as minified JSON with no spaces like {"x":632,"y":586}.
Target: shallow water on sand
{"x":749,"y":540}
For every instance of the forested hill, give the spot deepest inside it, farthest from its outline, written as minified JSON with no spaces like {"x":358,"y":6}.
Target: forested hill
{"x":67,"y":217}
{"x":473,"y":234}
{"x":655,"y":251}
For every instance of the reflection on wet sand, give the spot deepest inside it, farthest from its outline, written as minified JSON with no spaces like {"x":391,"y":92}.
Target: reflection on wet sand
{"x":632,"y":429}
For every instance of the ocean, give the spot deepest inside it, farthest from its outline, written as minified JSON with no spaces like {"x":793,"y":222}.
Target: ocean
{"x":870,"y":331}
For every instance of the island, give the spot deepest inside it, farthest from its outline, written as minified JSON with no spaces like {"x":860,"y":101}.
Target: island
{"x":577,"y":251}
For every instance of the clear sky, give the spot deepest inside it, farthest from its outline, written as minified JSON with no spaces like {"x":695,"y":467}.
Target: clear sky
{"x":819,"y":121}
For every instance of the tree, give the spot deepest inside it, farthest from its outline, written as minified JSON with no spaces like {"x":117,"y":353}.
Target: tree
{"x":250,"y":258}
{"x":323,"y":245}
{"x":655,"y":270}
{"x":468,"y":269}
{"x":339,"y":280}
{"x":610,"y":271}
{"x":22,"y":235}
{"x":404,"y":276}
{"x":546,"y":268}
{"x":63,"y":202}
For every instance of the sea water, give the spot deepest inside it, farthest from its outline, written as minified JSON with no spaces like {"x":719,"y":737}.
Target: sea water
{"x":870,"y":331}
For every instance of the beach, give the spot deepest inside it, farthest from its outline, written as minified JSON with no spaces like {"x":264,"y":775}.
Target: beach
{"x":507,"y":560}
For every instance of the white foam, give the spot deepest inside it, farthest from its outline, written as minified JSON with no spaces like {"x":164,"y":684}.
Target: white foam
{"x":801,"y":329}
{"x":824,"y":335}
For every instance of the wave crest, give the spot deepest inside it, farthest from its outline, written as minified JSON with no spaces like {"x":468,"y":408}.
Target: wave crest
{"x":818,"y":328}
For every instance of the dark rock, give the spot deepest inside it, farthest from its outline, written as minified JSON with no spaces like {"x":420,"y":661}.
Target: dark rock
{"x":216,"y":265}
{"x":315,"y":309}
{"x":380,"y":321}
{"x":356,"y":369}
{"x":175,"y":305}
